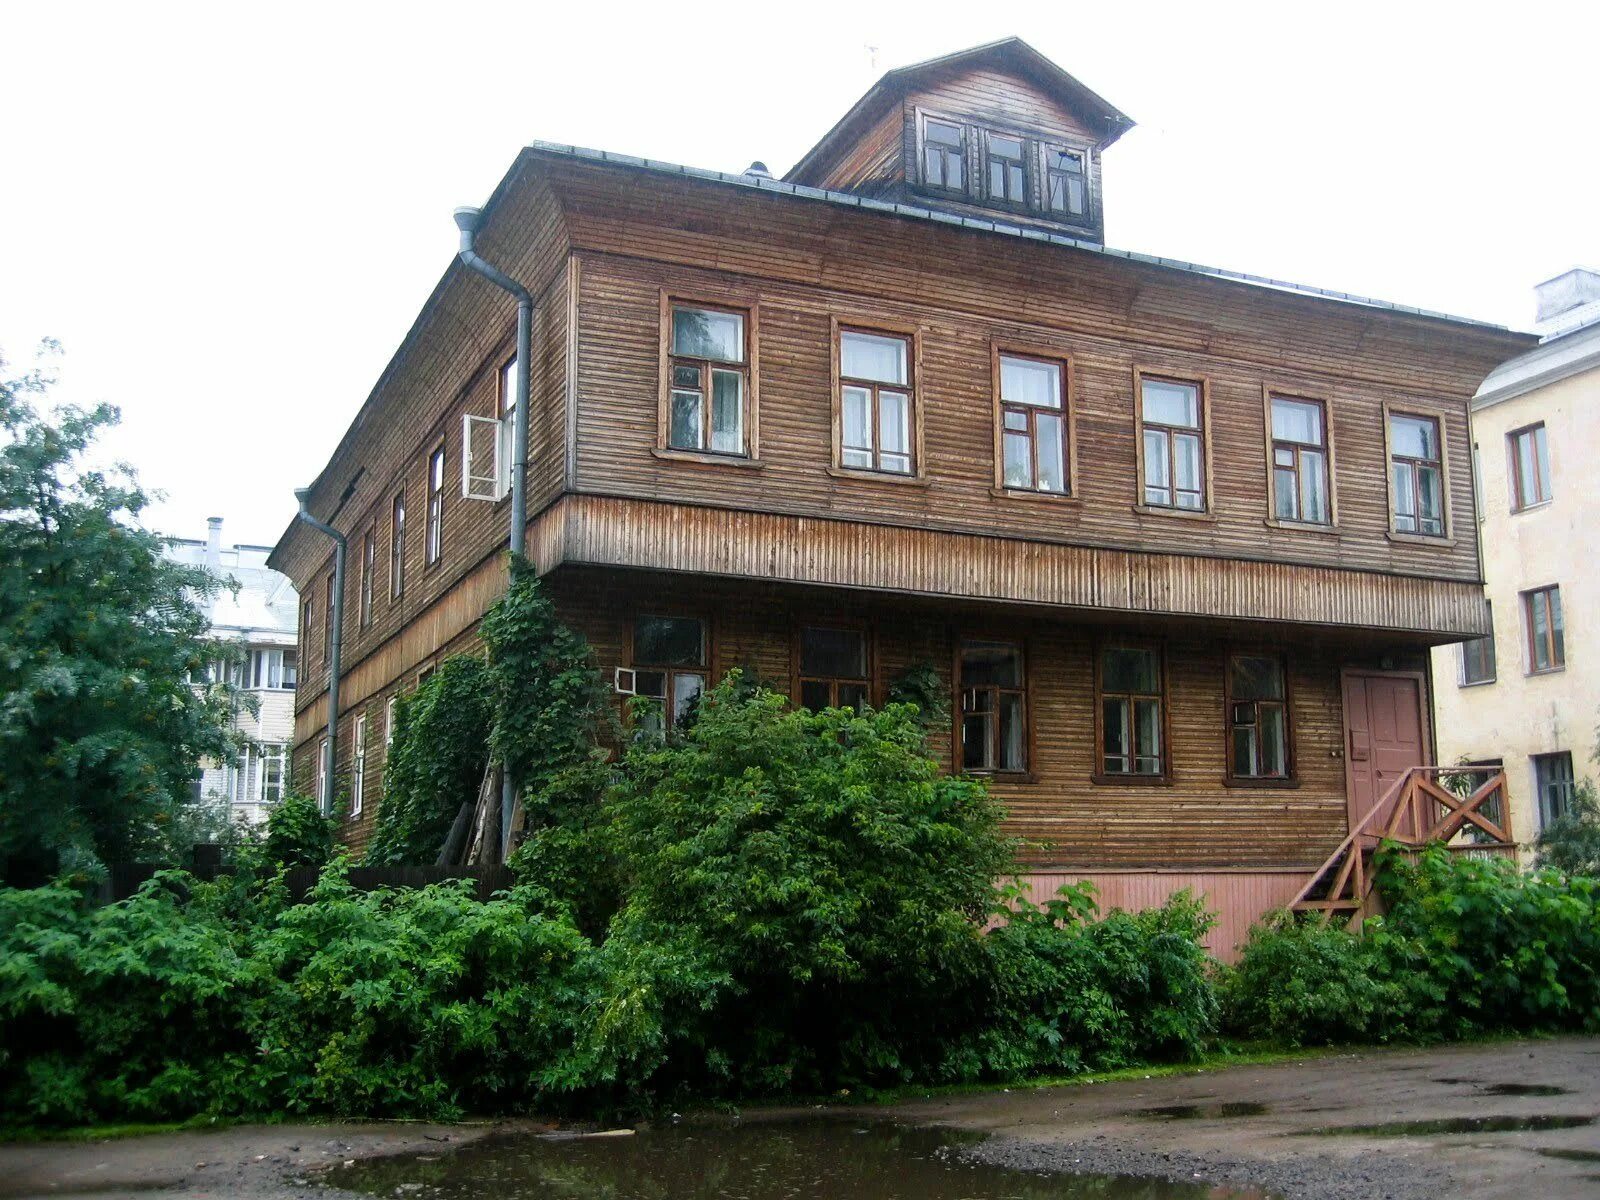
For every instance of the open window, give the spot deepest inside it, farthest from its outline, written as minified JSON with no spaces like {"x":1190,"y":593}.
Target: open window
{"x":1258,"y":719}
{"x":670,"y":666}
{"x":994,"y":707}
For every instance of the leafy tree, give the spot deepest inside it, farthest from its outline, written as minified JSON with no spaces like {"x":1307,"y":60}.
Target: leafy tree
{"x":435,"y":764}
{"x":101,"y":734}
{"x":1571,"y":843}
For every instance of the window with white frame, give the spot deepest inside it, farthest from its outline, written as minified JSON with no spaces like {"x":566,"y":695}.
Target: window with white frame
{"x":358,"y":767}
{"x":270,"y":668}
{"x":388,"y":720}
{"x":324,"y":801}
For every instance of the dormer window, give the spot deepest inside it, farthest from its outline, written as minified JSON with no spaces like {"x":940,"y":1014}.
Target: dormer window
{"x":944,"y":154}
{"x":1066,"y":187}
{"x":1004,"y":168}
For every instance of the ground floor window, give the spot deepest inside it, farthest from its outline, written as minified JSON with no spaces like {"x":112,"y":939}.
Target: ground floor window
{"x":833,"y":668}
{"x":1553,"y":779}
{"x":358,"y":767}
{"x":1130,"y":692}
{"x":670,"y":664}
{"x":994,"y":710}
{"x":1258,"y":718}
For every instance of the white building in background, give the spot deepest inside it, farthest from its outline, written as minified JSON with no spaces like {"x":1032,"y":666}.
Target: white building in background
{"x":1528,"y":698}
{"x":261,"y":614}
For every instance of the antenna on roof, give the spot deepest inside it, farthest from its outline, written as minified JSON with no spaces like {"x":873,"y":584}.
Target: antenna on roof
{"x":872,"y":56}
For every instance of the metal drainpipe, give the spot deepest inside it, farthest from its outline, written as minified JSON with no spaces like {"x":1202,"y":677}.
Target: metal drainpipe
{"x":467,"y":222}
{"x":335,"y":644}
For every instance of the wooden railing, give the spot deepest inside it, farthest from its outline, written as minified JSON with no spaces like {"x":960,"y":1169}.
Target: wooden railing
{"x":1415,"y":811}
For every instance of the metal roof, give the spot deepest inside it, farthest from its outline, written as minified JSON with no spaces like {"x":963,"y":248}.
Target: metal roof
{"x":1006,"y":229}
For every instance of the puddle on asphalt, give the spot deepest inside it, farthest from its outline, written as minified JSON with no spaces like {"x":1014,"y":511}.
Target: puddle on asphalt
{"x":1204,"y":1112}
{"x":1455,"y":1125}
{"x":1511,"y":1089}
{"x":759,"y":1161}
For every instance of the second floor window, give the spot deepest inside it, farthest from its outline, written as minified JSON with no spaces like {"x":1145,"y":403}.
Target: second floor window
{"x":1530,"y":467}
{"x":1547,"y":644}
{"x":833,"y":668}
{"x":397,"y":547}
{"x":1172,"y":427}
{"x":875,"y":402}
{"x":994,"y":707}
{"x":307,"y":623}
{"x":369,"y":564}
{"x":1477,"y":659}
{"x":1130,"y":689}
{"x":1258,"y":718}
{"x":1065,"y":183}
{"x":434,"y":539}
{"x":1033,"y":424}
{"x":944,"y":153}
{"x":327,"y":619}
{"x":1004,"y":163}
{"x":709,"y":364}
{"x":1300,"y":461}
{"x":1416,"y":474}
{"x":270,"y":668}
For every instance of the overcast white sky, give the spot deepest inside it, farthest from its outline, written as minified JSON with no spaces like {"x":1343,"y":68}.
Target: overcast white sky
{"x":230,"y":214}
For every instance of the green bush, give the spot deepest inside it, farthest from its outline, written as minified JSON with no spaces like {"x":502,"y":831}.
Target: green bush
{"x":298,"y":834}
{"x":1571,"y":842}
{"x":436,"y":762}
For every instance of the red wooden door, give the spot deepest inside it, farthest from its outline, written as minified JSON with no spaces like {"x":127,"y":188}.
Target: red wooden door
{"x":1384,"y":737}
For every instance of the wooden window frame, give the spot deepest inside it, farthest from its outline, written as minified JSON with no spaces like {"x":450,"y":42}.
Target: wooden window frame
{"x":397,"y":546}
{"x":1269,"y":393}
{"x":708,"y":651}
{"x":324,"y":801}
{"x":1024,"y":773}
{"x":798,"y":678}
{"x":912,"y":334}
{"x":1085,"y":155}
{"x":369,"y":568}
{"x":327,"y":618}
{"x":1291,"y":776}
{"x":740,"y":305}
{"x":1099,"y":774}
{"x":1530,"y":645}
{"x":1541,"y":781}
{"x":308,"y":622}
{"x":1419,"y":412}
{"x":923,"y":116}
{"x":358,"y":765}
{"x":1202,"y":384}
{"x":999,"y":349}
{"x":1514,"y":471}
{"x":1494,"y":656}
{"x":1027,"y":152}
{"x":433,"y":506}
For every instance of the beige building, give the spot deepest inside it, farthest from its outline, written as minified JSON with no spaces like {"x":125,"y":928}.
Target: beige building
{"x":1529,"y":697}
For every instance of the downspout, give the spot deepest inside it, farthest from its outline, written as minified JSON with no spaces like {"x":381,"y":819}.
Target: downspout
{"x":467,"y":222}
{"x":335,"y":644}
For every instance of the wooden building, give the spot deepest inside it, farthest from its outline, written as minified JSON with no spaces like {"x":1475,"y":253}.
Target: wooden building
{"x":1176,"y":539}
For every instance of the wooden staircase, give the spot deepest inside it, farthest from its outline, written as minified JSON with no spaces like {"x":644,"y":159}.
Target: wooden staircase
{"x":1416,"y":810}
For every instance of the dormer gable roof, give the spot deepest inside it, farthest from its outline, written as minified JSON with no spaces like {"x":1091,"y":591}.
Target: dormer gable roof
{"x":1009,"y":55}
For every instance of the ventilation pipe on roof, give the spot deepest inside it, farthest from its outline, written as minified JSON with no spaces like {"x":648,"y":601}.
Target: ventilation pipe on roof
{"x":467,"y":222}
{"x":335,"y":643}
{"x":758,"y":169}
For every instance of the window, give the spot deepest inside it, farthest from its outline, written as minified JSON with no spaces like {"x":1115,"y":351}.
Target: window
{"x":1416,"y":474}
{"x":358,"y":767}
{"x":397,"y":547}
{"x":1003,"y":163}
{"x":327,"y":619}
{"x":1066,"y":184}
{"x":833,"y":668}
{"x":1258,"y":718}
{"x":709,"y":376}
{"x":274,"y":772}
{"x":1300,"y":461}
{"x":1477,"y":657}
{"x":669,"y":664}
{"x":1130,"y":690}
{"x":944,"y":154}
{"x":369,"y":562}
{"x":875,"y":402}
{"x":1530,"y":467}
{"x":508,"y":390}
{"x":1172,"y":443}
{"x":994,"y":709}
{"x":1033,"y":427}
{"x":270,"y":668}
{"x":1553,"y":778}
{"x":324,"y":801}
{"x":433,"y":533}
{"x":1547,"y":643}
{"x":307,"y":622}
{"x":388,"y":721}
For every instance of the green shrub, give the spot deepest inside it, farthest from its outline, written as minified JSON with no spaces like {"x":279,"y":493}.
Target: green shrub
{"x":1571,"y":842}
{"x":298,"y":834}
{"x":436,"y":762}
